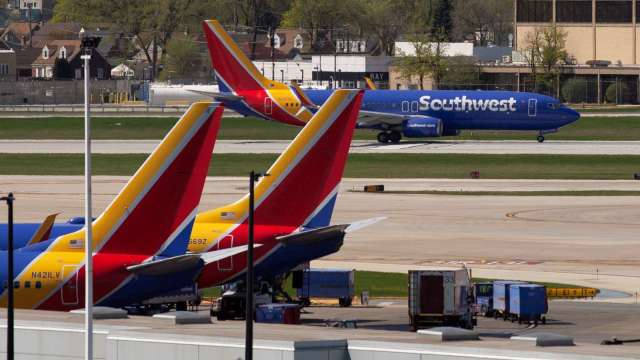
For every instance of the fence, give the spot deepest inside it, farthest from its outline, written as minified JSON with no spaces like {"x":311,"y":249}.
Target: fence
{"x":66,"y":91}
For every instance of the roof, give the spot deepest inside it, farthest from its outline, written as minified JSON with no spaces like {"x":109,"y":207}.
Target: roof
{"x":56,"y":31}
{"x":72,"y":46}
{"x":20,"y":28}
{"x":25,"y":57}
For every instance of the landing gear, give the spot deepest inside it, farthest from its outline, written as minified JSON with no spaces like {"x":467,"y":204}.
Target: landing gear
{"x":383,"y":137}
{"x":540,"y":138}
{"x":389,"y":137}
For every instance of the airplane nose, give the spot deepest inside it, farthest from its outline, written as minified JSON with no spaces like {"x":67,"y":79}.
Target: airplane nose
{"x":569,"y":115}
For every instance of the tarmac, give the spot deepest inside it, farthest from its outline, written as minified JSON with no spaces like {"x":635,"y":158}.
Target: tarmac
{"x":582,"y":240}
{"x":557,"y":147}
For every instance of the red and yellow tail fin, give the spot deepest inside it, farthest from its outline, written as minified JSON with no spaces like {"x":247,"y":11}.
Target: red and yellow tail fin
{"x":234,"y":70}
{"x":306,"y":175}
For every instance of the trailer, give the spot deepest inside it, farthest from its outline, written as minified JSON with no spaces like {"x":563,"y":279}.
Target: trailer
{"x":440,"y":298}
{"x":528,"y":303}
{"x":325,"y":283}
{"x":501,"y":297}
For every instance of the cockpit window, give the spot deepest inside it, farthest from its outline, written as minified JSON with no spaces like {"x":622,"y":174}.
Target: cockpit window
{"x":553,"y":106}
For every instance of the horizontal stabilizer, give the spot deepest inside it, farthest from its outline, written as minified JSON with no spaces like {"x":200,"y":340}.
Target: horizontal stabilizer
{"x":355,"y":226}
{"x":44,"y":231}
{"x":217,"y":95}
{"x":166,"y":266}
{"x":314,"y":236}
{"x":213,"y":256}
{"x":184,"y":262}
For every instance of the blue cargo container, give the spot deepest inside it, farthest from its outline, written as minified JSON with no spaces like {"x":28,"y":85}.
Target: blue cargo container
{"x":501,"y":296}
{"x":327,"y":283}
{"x":528,"y":302}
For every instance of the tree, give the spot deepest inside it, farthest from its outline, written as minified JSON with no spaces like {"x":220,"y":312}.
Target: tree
{"x":317,"y":18}
{"x":545,"y":47}
{"x":443,"y":19}
{"x":488,"y":21}
{"x":428,"y":59}
{"x":182,"y":57}
{"x":385,"y":20}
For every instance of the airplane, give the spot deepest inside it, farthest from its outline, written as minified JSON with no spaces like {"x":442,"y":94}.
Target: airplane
{"x":394,"y":113}
{"x":293,"y":205}
{"x":139,"y":239}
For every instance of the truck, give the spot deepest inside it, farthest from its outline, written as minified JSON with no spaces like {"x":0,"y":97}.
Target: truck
{"x":528,"y":303}
{"x":325,"y":283}
{"x":501,"y":297}
{"x":484,"y":298}
{"x":440,"y":298}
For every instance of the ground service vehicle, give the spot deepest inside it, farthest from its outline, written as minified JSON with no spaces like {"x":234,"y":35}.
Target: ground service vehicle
{"x":440,"y":298}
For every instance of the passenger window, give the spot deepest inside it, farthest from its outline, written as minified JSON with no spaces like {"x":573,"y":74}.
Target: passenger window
{"x":38,"y":284}
{"x":27,"y":284}
{"x":16,"y":284}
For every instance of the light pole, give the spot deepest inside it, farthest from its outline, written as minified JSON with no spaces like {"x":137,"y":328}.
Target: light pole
{"x":302,"y":76}
{"x":9,"y":199}
{"x":248,"y":346}
{"x":88,"y":44}
{"x":281,"y":75}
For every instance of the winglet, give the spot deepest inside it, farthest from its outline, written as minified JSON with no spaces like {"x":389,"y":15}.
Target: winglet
{"x":44,"y":231}
{"x":370,"y":84}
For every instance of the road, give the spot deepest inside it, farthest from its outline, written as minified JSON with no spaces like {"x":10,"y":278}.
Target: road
{"x":585,"y":240}
{"x":358,"y":146}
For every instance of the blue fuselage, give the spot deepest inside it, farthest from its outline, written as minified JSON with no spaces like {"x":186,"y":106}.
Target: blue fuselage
{"x":462,"y":110}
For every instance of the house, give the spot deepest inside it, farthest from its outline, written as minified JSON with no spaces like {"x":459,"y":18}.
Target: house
{"x":60,"y":59}
{"x":17,"y":34}
{"x":36,"y":10}
{"x":7,"y":62}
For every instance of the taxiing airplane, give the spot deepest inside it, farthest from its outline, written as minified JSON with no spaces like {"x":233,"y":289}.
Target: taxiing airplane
{"x":395,"y":113}
{"x":139,"y":241}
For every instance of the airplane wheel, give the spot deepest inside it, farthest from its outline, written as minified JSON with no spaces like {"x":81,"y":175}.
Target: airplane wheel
{"x":395,"y":137}
{"x":540,"y":138}
{"x":383,"y":137}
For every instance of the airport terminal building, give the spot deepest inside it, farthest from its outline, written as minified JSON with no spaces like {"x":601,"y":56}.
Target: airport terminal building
{"x":602,"y":43}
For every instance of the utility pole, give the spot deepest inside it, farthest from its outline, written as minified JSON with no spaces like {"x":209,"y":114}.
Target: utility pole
{"x":10,"y":350}
{"x":248,"y":346}
{"x":88,"y":44}
{"x":29,"y":6}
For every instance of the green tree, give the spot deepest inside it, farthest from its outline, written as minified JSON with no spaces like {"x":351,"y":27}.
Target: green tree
{"x":428,"y":59}
{"x":574,"y":90}
{"x":443,"y":19}
{"x":182,"y":57}
{"x":317,"y":18}
{"x":545,"y":48}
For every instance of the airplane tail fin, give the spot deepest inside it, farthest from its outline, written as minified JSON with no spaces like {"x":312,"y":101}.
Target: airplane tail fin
{"x":303,"y":182}
{"x":232,"y":67}
{"x":154,"y":212}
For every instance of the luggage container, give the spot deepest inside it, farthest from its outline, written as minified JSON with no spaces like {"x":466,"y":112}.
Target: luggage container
{"x":325,"y":283}
{"x":528,"y":302}
{"x":501,"y":297}
{"x":440,"y":298}
{"x":278,"y":314}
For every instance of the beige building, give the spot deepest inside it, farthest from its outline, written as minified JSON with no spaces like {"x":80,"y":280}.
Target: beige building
{"x":596,"y":29}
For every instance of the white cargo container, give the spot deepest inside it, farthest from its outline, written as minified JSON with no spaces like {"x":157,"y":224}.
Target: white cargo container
{"x":440,"y":298}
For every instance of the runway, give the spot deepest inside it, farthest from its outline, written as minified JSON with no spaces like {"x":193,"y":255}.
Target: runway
{"x":566,"y":239}
{"x":359,"y":146}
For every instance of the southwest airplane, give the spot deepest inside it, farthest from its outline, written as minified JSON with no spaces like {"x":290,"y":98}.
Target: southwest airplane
{"x":141,"y":237}
{"x":293,"y":205}
{"x":395,"y":113}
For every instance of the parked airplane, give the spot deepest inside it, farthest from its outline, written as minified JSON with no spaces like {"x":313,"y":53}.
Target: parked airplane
{"x":138,"y":239}
{"x":294,"y":204}
{"x":395,"y":113}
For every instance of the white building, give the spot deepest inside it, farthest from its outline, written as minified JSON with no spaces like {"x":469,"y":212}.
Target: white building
{"x":407,"y":48}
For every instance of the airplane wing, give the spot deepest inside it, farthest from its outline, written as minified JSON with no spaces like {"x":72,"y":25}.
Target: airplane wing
{"x":217,"y":95}
{"x":375,"y":119}
{"x":44,"y":230}
{"x":318,"y":235}
{"x":184,"y":262}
